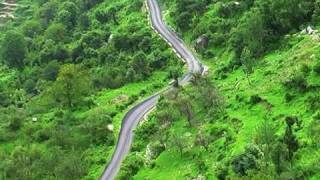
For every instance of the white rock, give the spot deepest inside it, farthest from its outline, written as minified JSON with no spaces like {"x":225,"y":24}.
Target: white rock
{"x":237,"y":3}
{"x":110,"y":127}
{"x":34,"y":119}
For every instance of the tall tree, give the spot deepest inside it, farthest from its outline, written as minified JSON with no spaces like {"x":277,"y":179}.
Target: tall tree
{"x":14,"y":49}
{"x":247,"y":62}
{"x":71,"y":85}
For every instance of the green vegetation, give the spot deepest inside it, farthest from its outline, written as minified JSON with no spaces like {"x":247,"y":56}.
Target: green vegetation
{"x":69,"y":71}
{"x":256,"y":115}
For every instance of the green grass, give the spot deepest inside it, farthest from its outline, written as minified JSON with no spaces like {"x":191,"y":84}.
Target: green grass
{"x":270,"y":72}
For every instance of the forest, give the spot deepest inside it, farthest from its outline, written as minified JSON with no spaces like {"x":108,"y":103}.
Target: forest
{"x":70,"y":71}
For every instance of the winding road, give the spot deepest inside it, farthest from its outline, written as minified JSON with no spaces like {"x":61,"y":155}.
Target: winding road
{"x":137,"y":113}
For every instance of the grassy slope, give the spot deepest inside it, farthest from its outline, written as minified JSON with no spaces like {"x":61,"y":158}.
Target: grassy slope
{"x":270,"y":72}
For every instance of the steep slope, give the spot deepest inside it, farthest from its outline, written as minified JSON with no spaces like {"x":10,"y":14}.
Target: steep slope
{"x":264,"y":77}
{"x":137,"y":113}
{"x":69,"y":71}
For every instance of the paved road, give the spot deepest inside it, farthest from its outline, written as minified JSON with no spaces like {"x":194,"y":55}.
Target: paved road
{"x":133,"y":117}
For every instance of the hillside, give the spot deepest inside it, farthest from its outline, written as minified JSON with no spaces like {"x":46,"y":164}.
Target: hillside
{"x":256,"y":115}
{"x":69,"y":72}
{"x":72,"y":72}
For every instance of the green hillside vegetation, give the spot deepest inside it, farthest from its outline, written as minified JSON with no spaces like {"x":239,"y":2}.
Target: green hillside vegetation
{"x":257,"y":114}
{"x":69,"y":71}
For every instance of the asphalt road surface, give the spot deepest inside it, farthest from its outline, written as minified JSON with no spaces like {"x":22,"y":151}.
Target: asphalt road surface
{"x":137,"y":113}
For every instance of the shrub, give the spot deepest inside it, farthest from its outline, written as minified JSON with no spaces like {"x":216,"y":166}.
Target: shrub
{"x":131,"y":166}
{"x":56,"y":32}
{"x":314,"y":130}
{"x":51,"y":71}
{"x":246,"y":161}
{"x":255,"y":99}
{"x":305,"y":69}
{"x":297,"y":81}
{"x":31,"y":28}
{"x":15,"y":123}
{"x":5,"y":100}
{"x":314,"y":102}
{"x":316,"y":68}
{"x":14,"y":41}
{"x":30,"y":85}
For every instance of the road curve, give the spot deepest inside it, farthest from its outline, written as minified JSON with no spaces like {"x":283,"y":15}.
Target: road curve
{"x":133,"y":117}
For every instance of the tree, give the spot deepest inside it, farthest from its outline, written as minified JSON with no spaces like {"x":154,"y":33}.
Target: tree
{"x":31,"y":28}
{"x":51,"y":71}
{"x":316,"y":12}
{"x":14,"y":49}
{"x":71,"y":86}
{"x":247,"y":62}
{"x":179,"y":142}
{"x":113,"y":13}
{"x":84,"y":21}
{"x":208,"y":95}
{"x":56,"y":32}
{"x":48,"y":12}
{"x":266,"y":137}
{"x":289,"y":138}
{"x":203,"y":139}
{"x":71,"y":167}
{"x":246,"y":161}
{"x":185,"y":108}
{"x":141,"y":65}
{"x":66,"y":18}
{"x":174,"y":74}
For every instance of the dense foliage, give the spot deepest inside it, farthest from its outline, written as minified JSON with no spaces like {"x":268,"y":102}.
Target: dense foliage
{"x":256,"y":115}
{"x":69,"y":70}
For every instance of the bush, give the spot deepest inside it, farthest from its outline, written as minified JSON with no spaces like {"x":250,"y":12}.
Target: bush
{"x":297,"y":81}
{"x":30,"y":86}
{"x":314,"y":102}
{"x":15,"y":123}
{"x":51,"y":71}
{"x":289,"y":97}
{"x":305,"y":69}
{"x":314,"y":130}
{"x":56,"y":32}
{"x":5,"y":99}
{"x":31,"y":28}
{"x":246,"y":161}
{"x":255,"y":99}
{"x":316,"y":68}
{"x":131,"y":166}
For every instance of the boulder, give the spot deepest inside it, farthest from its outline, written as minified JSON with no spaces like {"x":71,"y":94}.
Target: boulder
{"x":202,"y":42}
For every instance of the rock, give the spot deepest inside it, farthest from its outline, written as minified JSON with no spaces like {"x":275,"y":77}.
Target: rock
{"x":316,"y":37}
{"x":309,"y":30}
{"x":110,"y":127}
{"x":237,"y":3}
{"x":34,"y":119}
{"x":205,"y":70}
{"x":202,"y":42}
{"x":110,"y":38}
